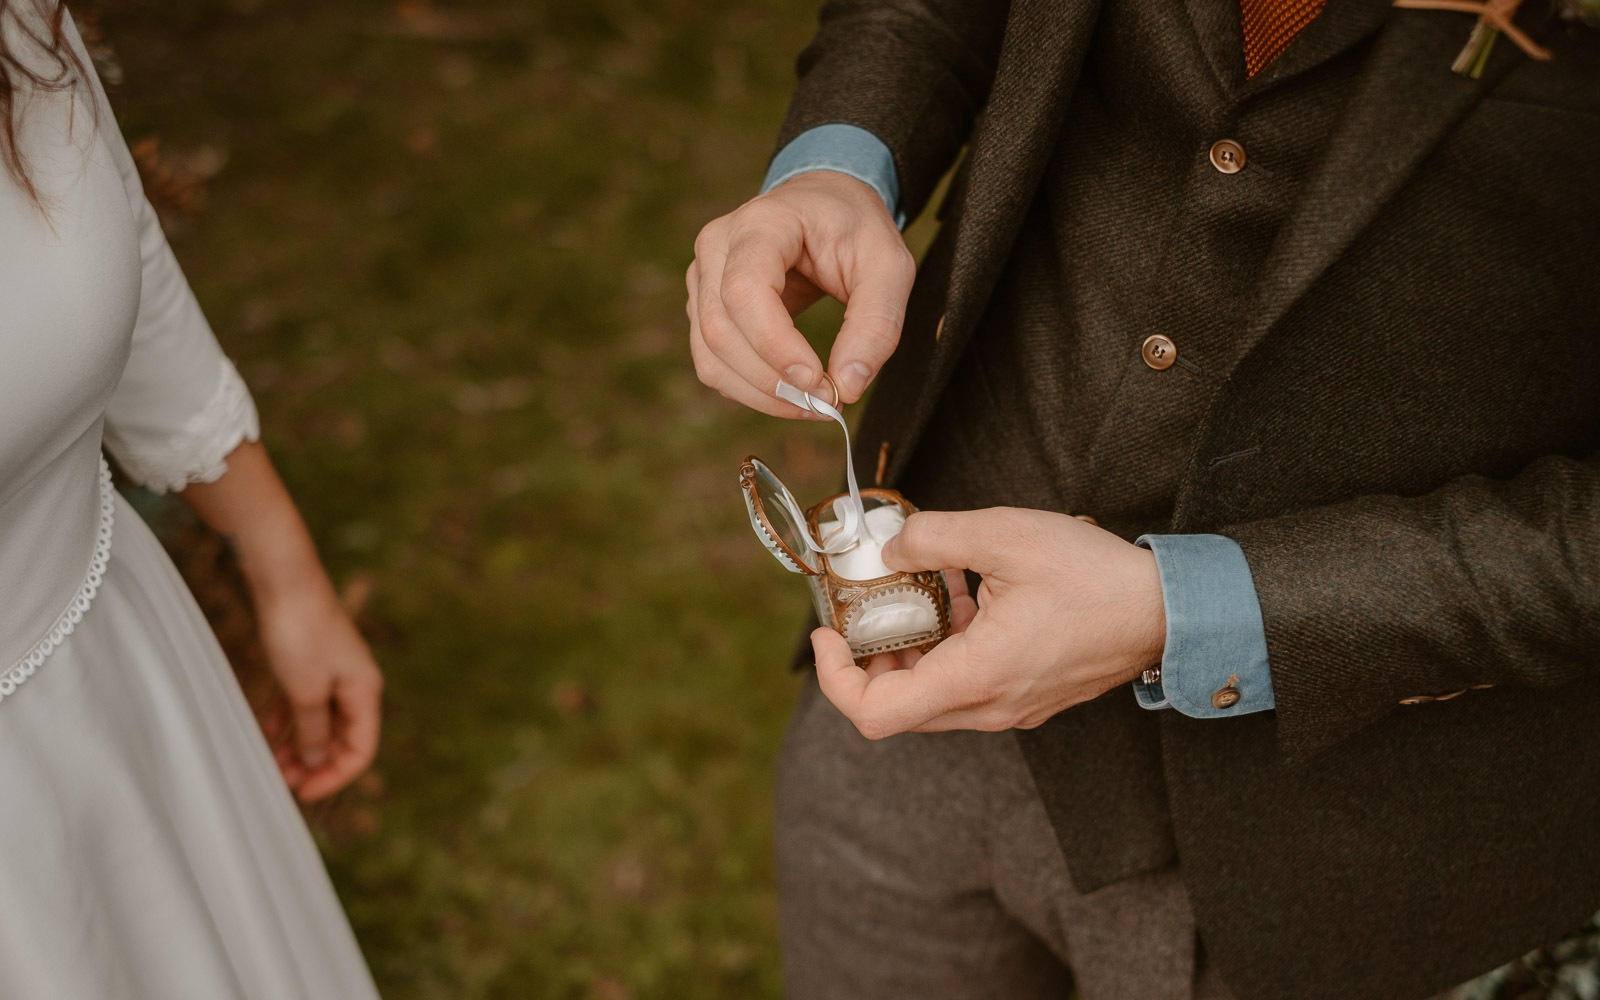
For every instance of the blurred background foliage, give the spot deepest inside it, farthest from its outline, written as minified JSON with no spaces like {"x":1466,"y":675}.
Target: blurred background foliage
{"x":445,"y":244}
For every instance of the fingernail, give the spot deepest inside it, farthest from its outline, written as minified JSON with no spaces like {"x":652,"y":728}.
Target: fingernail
{"x":800,"y":376}
{"x":853,"y":380}
{"x":313,"y":758}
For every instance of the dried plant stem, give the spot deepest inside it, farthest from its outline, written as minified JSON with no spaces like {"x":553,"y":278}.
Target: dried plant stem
{"x":1474,"y":55}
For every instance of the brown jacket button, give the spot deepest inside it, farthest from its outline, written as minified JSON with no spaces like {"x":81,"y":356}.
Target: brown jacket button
{"x":1228,"y":696}
{"x":1227,"y":156}
{"x":1159,"y":352}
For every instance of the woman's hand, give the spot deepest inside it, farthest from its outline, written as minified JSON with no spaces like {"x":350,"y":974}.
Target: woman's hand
{"x":325,"y":731}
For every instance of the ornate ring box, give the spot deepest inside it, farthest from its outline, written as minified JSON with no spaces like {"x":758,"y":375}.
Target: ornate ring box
{"x":876,"y":609}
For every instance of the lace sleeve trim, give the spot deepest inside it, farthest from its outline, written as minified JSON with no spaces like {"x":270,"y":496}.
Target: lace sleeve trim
{"x":198,"y":453}
{"x":28,"y":665}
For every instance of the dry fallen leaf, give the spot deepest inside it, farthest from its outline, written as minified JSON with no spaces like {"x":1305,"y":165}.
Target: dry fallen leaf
{"x":421,"y":139}
{"x":611,"y":989}
{"x":572,"y":699}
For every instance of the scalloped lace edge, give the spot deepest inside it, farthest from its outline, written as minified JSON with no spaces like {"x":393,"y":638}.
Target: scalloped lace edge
{"x":28,"y":665}
{"x":199,"y":452}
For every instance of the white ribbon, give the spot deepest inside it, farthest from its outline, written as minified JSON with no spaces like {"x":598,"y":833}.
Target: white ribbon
{"x":848,"y":509}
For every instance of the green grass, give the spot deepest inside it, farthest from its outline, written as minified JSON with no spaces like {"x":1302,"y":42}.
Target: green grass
{"x":446,"y":249}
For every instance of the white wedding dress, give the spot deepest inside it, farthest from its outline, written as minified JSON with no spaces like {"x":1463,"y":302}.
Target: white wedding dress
{"x":148,"y":847}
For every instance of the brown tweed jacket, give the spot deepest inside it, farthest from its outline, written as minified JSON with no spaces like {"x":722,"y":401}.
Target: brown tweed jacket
{"x":1402,"y":439}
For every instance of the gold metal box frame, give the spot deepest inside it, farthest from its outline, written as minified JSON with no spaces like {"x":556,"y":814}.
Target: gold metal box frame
{"x":840,"y":602}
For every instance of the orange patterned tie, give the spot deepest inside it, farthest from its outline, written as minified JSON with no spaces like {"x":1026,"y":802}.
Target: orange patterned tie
{"x":1269,"y":27}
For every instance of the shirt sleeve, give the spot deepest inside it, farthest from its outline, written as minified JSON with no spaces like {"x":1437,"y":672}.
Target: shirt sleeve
{"x":181,"y":407}
{"x":845,"y":149}
{"x":1214,"y":630}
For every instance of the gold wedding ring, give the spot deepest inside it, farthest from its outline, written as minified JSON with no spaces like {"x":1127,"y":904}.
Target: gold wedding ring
{"x":834,"y":386}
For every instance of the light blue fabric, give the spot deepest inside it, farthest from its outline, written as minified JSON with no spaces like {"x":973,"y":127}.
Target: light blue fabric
{"x":845,"y":149}
{"x":1214,"y":628}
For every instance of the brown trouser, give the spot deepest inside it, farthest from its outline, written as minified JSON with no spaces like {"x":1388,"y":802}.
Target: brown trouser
{"x":923,"y":866}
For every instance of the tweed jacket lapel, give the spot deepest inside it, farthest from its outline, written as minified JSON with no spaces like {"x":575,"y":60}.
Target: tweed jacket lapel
{"x":1408,"y":100}
{"x":1011,"y":146}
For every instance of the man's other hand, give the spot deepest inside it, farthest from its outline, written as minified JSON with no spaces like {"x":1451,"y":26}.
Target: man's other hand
{"x":1066,"y":612}
{"x":820,"y":233}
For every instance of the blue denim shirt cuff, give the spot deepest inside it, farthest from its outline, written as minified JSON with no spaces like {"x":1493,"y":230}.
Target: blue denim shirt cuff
{"x":845,"y":149}
{"x":1214,"y":628}
{"x":1151,"y":696}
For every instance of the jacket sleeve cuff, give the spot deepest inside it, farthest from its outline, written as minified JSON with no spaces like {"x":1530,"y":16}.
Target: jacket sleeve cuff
{"x":1214,"y":630}
{"x":845,"y":149}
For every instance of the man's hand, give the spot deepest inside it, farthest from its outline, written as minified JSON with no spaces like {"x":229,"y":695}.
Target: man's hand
{"x":821,"y":233}
{"x":1066,"y":612}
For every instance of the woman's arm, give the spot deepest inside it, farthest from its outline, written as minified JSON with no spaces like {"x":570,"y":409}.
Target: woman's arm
{"x":181,"y":419}
{"x":332,"y":684}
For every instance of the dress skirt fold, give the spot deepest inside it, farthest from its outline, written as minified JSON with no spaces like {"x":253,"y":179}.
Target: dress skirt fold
{"x":148,"y":847}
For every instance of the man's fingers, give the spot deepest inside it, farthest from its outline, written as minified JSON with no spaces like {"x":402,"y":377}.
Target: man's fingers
{"x":730,"y":348}
{"x":750,"y":290}
{"x":885,"y":662}
{"x":875,"y":310}
{"x":984,"y":541}
{"x":981,"y":720}
{"x":841,"y":680}
{"x":711,"y":371}
{"x":963,"y":608}
{"x":714,"y":372}
{"x":729,"y":344}
{"x":978,"y":710}
{"x":881,"y":703}
{"x":800,"y":293}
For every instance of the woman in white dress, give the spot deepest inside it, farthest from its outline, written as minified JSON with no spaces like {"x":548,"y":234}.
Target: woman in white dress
{"x":149,"y":845}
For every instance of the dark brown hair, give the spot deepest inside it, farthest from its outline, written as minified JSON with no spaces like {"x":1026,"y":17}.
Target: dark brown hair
{"x":14,"y":73}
